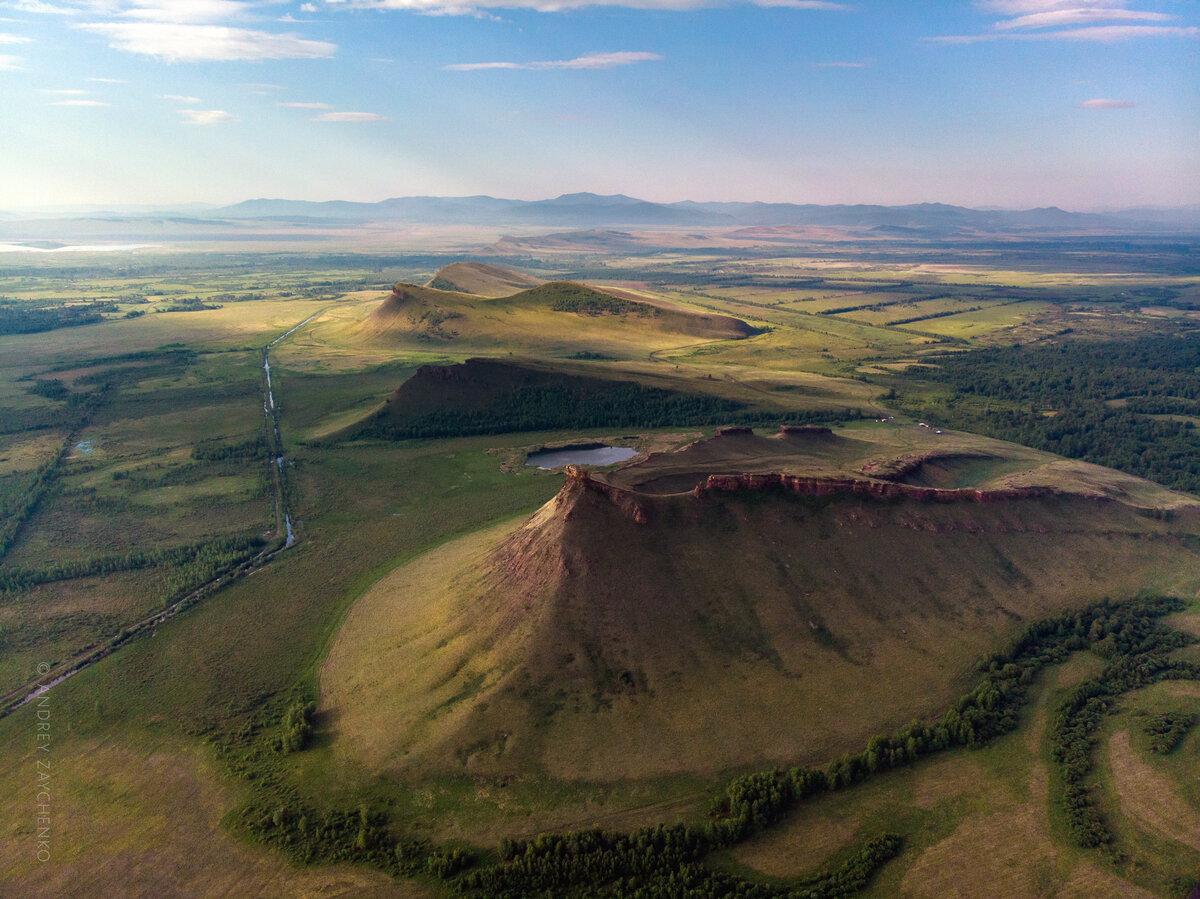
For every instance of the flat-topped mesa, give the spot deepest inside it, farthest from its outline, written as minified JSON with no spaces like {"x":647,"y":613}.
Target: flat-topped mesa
{"x":888,"y":490}
{"x":639,"y":508}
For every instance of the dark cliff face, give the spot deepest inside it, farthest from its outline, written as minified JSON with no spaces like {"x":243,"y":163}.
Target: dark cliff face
{"x":886,"y":490}
{"x":639,"y":508}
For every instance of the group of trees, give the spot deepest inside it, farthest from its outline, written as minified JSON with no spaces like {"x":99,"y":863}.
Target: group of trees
{"x":184,"y":567}
{"x":592,"y":404}
{"x":30,"y":316}
{"x":217,"y":451}
{"x":1166,"y":731}
{"x":654,"y":862}
{"x":1090,"y":400}
{"x":297,"y":726}
{"x":590,"y":302}
{"x":1139,"y":649}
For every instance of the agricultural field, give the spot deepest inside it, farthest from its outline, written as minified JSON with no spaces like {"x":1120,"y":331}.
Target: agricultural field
{"x":324,"y":632}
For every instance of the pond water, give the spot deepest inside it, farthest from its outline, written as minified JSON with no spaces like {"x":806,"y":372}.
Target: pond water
{"x":580,"y":455}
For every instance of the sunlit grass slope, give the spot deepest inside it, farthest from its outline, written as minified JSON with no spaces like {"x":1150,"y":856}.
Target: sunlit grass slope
{"x":619,"y":634}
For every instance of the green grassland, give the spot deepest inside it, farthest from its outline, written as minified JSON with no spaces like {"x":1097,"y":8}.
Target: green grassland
{"x":162,"y":751}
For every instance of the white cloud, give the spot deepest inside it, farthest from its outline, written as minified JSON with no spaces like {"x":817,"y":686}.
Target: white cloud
{"x":43,"y":9}
{"x":1059,"y":18}
{"x":349,"y":117}
{"x":178,"y":98}
{"x":176,"y":42}
{"x":14,"y":39}
{"x":1100,"y":21}
{"x":305,"y":105}
{"x":592,"y":61}
{"x":207,"y":116}
{"x":10,"y":63}
{"x":262,"y":88}
{"x":79,"y":103}
{"x":1102,"y":103}
{"x":308,"y":7}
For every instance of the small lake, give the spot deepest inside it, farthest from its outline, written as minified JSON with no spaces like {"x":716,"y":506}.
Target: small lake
{"x":580,"y":455}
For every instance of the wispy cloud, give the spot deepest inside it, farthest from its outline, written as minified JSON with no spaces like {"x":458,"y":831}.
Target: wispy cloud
{"x":176,"y":42}
{"x":349,"y":117}
{"x":9,"y":63}
{"x":1026,"y":7}
{"x":14,"y":39}
{"x":79,"y":103}
{"x":262,"y":88}
{"x":1062,"y":17}
{"x":193,"y":11}
{"x":591,"y":61}
{"x":1099,"y":21}
{"x":43,"y":9}
{"x":178,"y":98}
{"x":305,"y":105}
{"x":1102,"y":103}
{"x":207,"y":116}
{"x":1111,"y":33}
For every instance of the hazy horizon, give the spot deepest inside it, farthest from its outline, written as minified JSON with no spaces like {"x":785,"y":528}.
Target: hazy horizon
{"x":67,"y":209}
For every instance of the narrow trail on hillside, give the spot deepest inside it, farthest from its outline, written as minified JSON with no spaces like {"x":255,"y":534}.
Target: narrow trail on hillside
{"x":52,"y":676}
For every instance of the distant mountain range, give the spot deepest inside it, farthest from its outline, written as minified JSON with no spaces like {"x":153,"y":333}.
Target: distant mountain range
{"x":586,"y":210}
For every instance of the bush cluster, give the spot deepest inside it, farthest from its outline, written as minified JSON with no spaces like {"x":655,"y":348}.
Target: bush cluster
{"x":1167,"y":731}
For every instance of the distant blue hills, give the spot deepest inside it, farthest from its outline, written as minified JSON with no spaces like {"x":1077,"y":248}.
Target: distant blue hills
{"x":586,"y":210}
{"x":583,"y":211}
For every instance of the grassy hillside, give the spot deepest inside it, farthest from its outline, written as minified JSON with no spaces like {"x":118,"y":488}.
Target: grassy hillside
{"x":615,"y":660}
{"x":560,"y":318}
{"x":828,"y":618}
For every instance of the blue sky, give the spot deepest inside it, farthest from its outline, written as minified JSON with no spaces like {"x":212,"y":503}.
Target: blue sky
{"x":1017,"y":103}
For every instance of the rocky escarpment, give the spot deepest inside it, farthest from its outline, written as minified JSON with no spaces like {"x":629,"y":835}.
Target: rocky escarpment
{"x":579,"y":481}
{"x":885,"y":490}
{"x":639,"y":508}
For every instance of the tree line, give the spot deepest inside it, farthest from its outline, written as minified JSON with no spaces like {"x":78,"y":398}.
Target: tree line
{"x":190,"y":565}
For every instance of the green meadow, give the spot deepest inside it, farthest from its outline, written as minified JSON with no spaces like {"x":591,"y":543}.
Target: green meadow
{"x":140,"y":472}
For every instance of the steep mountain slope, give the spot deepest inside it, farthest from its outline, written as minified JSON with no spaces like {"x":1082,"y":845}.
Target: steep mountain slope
{"x":751,"y":620}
